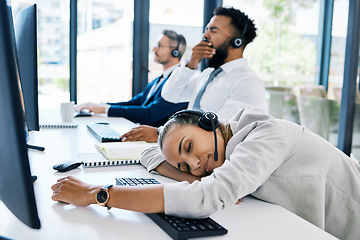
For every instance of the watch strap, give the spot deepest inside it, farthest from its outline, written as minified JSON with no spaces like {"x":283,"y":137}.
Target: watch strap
{"x":108,"y":187}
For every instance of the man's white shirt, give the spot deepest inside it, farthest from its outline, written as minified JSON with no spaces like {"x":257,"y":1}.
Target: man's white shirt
{"x":236,"y":87}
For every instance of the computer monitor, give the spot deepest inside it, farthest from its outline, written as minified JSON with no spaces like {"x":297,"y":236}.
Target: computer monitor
{"x":16,"y":186}
{"x":26,"y":43}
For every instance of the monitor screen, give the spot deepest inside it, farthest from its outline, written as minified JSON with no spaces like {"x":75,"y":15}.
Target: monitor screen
{"x":16,"y":186}
{"x":26,"y":43}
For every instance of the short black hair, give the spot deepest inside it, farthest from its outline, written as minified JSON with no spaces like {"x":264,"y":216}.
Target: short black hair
{"x":180,"y":39}
{"x":239,"y":20}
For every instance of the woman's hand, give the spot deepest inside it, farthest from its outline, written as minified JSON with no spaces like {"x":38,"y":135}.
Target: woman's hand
{"x":71,"y":190}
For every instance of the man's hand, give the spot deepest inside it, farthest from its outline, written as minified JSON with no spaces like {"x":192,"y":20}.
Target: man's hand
{"x":202,"y":50}
{"x":92,"y":107}
{"x":142,"y":133}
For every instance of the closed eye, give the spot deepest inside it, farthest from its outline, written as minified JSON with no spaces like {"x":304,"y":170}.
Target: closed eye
{"x":189,"y":147}
{"x":211,"y":29}
{"x":184,"y":167}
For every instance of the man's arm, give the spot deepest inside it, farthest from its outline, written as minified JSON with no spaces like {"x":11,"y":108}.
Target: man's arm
{"x":183,"y":81}
{"x":180,"y":85}
{"x":101,"y":108}
{"x":155,"y":114}
{"x":135,"y":101}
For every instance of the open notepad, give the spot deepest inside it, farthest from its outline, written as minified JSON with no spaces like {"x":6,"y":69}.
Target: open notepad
{"x":115,"y":153}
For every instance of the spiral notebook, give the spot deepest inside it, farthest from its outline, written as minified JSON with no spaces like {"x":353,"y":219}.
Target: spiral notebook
{"x":58,"y":125}
{"x":115,"y":154}
{"x":97,"y":160}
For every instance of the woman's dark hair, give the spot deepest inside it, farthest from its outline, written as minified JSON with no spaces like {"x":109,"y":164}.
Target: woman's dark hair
{"x":239,"y":20}
{"x":182,"y":119}
{"x":186,"y":118}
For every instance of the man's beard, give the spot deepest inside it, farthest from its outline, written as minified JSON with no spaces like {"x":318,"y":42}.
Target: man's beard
{"x":219,"y":58}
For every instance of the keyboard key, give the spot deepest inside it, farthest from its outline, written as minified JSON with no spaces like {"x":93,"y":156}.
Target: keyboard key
{"x":136,"y":181}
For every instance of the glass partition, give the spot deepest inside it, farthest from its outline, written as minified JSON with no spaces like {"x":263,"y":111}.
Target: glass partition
{"x":53,"y":49}
{"x":104,"y":56}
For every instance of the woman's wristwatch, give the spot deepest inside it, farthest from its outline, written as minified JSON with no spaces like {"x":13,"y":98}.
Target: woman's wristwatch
{"x":102,"y":197}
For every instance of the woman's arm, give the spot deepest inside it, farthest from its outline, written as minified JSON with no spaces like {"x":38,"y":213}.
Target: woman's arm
{"x":152,"y":159}
{"x":169,"y":171}
{"x":147,"y":199}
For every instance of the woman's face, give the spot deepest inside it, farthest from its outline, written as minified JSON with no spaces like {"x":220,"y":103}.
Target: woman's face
{"x":190,"y":148}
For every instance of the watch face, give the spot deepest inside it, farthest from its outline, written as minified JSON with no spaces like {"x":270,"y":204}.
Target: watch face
{"x":102,"y":196}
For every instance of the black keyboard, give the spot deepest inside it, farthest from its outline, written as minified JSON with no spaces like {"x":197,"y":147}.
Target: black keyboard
{"x":175,"y":227}
{"x":135,"y":181}
{"x":184,"y":228}
{"x":104,"y":133}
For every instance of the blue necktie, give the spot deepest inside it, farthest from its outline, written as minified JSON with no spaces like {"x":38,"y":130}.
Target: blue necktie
{"x":202,"y":89}
{"x":152,"y":90}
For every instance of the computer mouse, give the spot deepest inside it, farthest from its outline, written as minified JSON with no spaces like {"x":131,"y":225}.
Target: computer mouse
{"x":83,"y":113}
{"x":103,"y":123}
{"x":65,"y":166}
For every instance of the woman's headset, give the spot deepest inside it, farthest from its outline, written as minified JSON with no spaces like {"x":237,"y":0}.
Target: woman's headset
{"x":208,"y":121}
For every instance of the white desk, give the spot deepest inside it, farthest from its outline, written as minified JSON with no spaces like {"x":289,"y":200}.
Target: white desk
{"x":251,"y":219}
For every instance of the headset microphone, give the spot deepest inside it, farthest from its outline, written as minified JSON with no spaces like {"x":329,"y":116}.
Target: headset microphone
{"x":214,"y":130}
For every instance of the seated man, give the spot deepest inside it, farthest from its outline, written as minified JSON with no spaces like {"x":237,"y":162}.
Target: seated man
{"x":148,"y":107}
{"x":234,"y":87}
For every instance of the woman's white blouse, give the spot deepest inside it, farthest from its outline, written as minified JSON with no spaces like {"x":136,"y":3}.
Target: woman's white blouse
{"x":279,"y":162}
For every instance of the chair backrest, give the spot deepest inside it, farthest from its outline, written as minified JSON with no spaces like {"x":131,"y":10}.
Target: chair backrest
{"x":314,"y":108}
{"x":311,"y":90}
{"x":279,"y":102}
{"x":338,"y":92}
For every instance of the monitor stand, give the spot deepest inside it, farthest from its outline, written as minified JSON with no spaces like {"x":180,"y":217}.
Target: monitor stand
{"x":4,"y":238}
{"x":35,"y":147}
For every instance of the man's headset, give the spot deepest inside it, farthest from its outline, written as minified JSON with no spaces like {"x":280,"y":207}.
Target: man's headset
{"x":208,"y":121}
{"x":237,"y":42}
{"x":175,"y":53}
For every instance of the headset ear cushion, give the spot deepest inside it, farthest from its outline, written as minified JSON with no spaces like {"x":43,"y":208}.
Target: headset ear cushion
{"x":205,"y":121}
{"x":175,"y":53}
{"x":236,"y":42}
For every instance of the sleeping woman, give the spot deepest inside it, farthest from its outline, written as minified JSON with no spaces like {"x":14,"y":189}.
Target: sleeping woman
{"x":217,"y":164}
